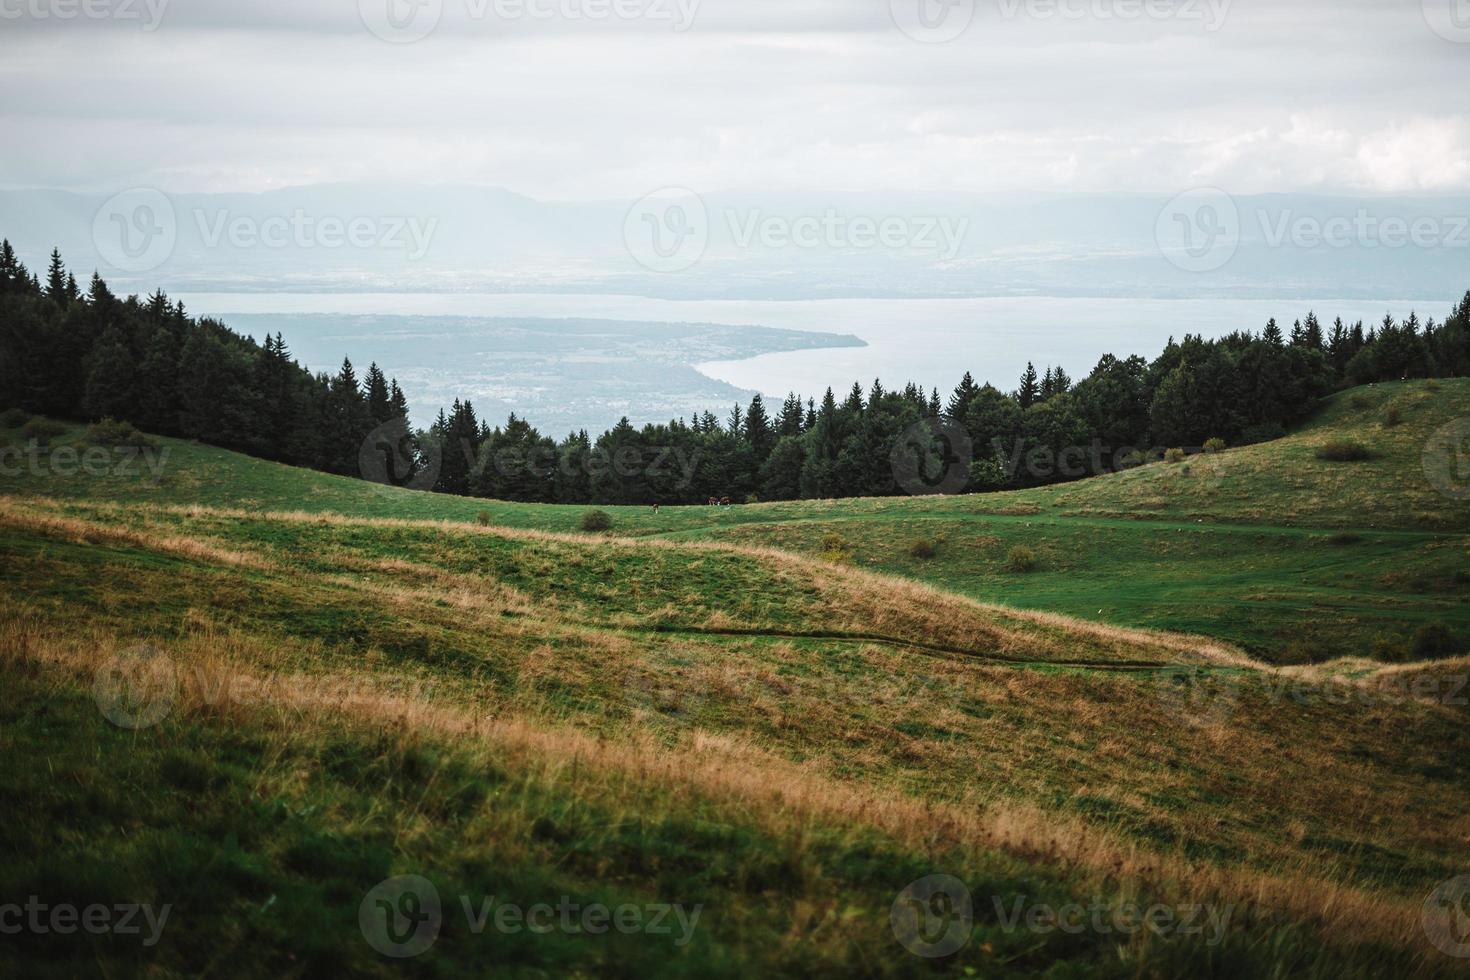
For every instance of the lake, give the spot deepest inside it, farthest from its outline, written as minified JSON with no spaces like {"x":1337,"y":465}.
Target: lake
{"x":931,"y":341}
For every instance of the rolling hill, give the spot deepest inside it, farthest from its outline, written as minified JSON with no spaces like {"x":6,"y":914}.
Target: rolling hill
{"x":253,"y":694}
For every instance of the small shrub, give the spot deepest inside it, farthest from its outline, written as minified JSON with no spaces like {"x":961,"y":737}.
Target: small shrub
{"x":1131,"y":460}
{"x":835,"y":548}
{"x":1344,"y":539}
{"x":42,"y":430}
{"x":1390,"y":651}
{"x":1360,"y":402}
{"x":14,"y":418}
{"x":1434,"y":641}
{"x":483,"y":518}
{"x":1431,"y":385}
{"x":1215,"y":445}
{"x":1175,"y":455}
{"x":1391,"y":418}
{"x":1021,"y":559}
{"x":751,"y":498}
{"x":113,"y":434}
{"x":923,"y":549}
{"x":596,"y":520}
{"x":1344,"y":451}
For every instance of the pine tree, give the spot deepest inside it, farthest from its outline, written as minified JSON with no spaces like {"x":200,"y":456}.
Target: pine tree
{"x":758,"y":430}
{"x":56,"y":289}
{"x":1029,"y":391}
{"x":959,"y":402}
{"x":1060,"y":383}
{"x":1047,"y":389}
{"x":396,"y":400}
{"x":790,"y":422}
{"x":1272,"y":333}
{"x":158,"y":385}
{"x":1312,"y":333}
{"x":379,"y":401}
{"x":109,"y":391}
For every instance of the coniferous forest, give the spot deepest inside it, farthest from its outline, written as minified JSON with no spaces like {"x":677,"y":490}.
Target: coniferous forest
{"x":88,"y":354}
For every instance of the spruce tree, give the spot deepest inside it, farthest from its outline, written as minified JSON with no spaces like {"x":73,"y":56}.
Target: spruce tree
{"x":1029,"y":391}
{"x":109,"y":391}
{"x":758,"y":430}
{"x":379,"y":401}
{"x":959,"y":402}
{"x":56,"y":290}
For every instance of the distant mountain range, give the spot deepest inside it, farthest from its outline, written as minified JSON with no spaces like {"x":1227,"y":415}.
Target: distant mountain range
{"x":363,"y":238}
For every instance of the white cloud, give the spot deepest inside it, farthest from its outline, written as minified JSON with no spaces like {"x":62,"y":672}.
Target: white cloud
{"x":1285,"y":96}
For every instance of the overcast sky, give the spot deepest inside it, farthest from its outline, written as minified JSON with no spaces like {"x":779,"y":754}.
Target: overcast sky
{"x":1362,"y":96}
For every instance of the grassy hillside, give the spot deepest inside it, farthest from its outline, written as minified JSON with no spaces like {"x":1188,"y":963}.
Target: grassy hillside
{"x":1292,"y":558}
{"x":739,"y":711}
{"x":783,"y":742}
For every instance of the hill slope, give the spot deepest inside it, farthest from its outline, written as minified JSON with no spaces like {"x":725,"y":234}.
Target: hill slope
{"x":1267,"y":547}
{"x":784,"y":742}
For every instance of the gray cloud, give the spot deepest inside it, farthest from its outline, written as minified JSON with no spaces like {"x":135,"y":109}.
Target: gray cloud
{"x":1285,"y":95}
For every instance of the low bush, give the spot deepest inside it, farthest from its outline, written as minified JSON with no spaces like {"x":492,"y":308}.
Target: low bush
{"x":835,"y":548}
{"x":1360,"y":401}
{"x":923,"y":549}
{"x":1344,"y":451}
{"x":1344,"y":539}
{"x":483,"y":518}
{"x":113,"y":434}
{"x":1391,"y":418}
{"x":42,"y":430}
{"x":1434,"y":641}
{"x":1216,"y":445}
{"x":1175,"y":455}
{"x":596,"y":520}
{"x":1021,"y":559}
{"x":14,"y":418}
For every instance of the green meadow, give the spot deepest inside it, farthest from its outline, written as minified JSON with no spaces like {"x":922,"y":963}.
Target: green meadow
{"x":1230,"y":688}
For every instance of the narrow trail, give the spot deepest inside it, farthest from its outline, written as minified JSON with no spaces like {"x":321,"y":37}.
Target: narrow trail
{"x":922,"y":646}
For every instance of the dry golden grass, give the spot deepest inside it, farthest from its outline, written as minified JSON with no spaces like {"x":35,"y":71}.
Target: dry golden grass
{"x":229,"y":680}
